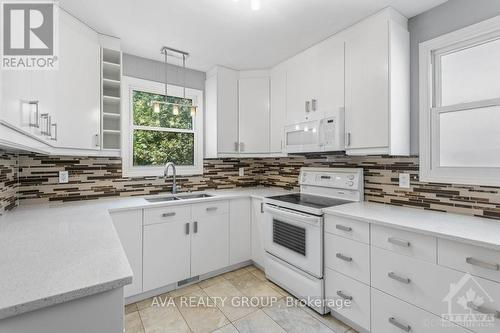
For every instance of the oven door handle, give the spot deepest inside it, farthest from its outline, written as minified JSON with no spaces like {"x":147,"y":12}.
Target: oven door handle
{"x":302,"y":217}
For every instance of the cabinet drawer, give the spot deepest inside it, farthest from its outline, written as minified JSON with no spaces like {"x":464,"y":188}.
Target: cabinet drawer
{"x":210,"y":208}
{"x":338,"y":287}
{"x":414,"y":281}
{"x":166,"y":214}
{"x":348,"y":257}
{"x":404,"y":242}
{"x":472,"y":259}
{"x":348,"y":228}
{"x":391,"y":315}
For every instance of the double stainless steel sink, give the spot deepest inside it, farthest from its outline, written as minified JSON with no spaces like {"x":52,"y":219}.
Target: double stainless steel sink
{"x":179,"y":197}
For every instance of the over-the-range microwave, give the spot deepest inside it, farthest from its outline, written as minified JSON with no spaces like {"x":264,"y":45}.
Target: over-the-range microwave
{"x":326,"y":134}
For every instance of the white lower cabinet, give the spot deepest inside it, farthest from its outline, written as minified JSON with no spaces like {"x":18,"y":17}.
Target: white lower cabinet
{"x":354,"y":298}
{"x":257,"y":236}
{"x":417,"y":282}
{"x":128,"y":225}
{"x":391,"y":315}
{"x":240,"y":228}
{"x":167,"y":253}
{"x":209,"y":239}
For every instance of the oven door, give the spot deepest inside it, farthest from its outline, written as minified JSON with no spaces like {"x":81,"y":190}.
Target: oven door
{"x":295,"y":237}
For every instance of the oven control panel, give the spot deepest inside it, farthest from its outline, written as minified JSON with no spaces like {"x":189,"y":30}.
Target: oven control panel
{"x":344,"y":178}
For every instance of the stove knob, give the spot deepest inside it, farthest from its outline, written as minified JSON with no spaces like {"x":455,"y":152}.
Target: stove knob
{"x":350,"y":183}
{"x":350,"y":177}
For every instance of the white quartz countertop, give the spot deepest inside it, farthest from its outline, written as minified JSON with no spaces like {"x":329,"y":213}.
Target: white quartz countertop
{"x":54,"y":253}
{"x":467,"y":229}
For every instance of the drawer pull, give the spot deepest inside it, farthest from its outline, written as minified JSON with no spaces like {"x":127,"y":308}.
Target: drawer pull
{"x":187,"y":228}
{"x":211,"y":209}
{"x":398,"y":242}
{"x":343,"y":227}
{"x":482,"y":264}
{"x":396,"y":277}
{"x":483,"y":310}
{"x":168,"y":214}
{"x":195,"y":227}
{"x":344,"y":296}
{"x":395,"y":322}
{"x":343,"y":257}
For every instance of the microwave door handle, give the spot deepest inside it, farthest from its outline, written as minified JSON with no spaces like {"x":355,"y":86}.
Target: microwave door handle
{"x":321,"y":132}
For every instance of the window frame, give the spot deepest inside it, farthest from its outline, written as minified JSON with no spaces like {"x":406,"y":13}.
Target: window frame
{"x":430,"y":53}
{"x":129,"y":84}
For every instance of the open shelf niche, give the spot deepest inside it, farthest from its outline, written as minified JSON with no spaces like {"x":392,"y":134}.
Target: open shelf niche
{"x":111,"y":66}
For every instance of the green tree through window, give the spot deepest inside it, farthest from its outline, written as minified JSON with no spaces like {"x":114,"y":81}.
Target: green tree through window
{"x":162,"y":137}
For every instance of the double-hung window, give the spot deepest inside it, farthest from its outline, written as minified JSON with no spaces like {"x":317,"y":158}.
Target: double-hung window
{"x":460,"y":106}
{"x":172,"y":132}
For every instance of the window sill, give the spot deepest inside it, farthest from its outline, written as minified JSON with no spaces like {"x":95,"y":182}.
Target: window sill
{"x":158,"y":171}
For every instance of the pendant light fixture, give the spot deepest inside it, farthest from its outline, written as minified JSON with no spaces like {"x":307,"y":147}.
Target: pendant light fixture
{"x":176,"y":107}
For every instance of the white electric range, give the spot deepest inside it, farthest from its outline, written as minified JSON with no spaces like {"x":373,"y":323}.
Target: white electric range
{"x":293,"y":230}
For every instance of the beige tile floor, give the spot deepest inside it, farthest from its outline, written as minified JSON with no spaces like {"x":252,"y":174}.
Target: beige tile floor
{"x":207,"y":312}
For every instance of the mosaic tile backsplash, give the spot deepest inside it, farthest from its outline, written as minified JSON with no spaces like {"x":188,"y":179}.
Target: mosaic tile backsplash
{"x":99,"y":177}
{"x":8,"y":181}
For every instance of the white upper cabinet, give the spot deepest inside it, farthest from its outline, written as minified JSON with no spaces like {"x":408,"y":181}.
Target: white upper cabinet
{"x":377,"y":85}
{"x":253,"y":93}
{"x":70,"y":95}
{"x":221,"y":89}
{"x":278,"y":109}
{"x":315,"y":82}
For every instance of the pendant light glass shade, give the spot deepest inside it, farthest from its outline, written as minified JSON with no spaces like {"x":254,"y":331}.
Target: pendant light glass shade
{"x":156,"y":107}
{"x":175,"y":110}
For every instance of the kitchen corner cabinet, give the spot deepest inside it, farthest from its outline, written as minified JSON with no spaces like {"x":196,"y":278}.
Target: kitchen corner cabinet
{"x":377,"y":85}
{"x":128,"y":225}
{"x":69,"y":95}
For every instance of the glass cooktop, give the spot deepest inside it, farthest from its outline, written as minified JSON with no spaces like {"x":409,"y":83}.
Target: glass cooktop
{"x":308,"y":200}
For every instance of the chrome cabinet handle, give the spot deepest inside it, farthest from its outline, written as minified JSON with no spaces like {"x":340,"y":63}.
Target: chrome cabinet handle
{"x":210,"y":209}
{"x":97,"y":143}
{"x":314,"y":104}
{"x":236,"y":146}
{"x":343,"y":227}
{"x":348,"y":139}
{"x":45,"y":130}
{"x":308,"y":106}
{"x":395,"y":322}
{"x":343,"y":257}
{"x":398,"y":242}
{"x":36,"y":122}
{"x":242,"y":146}
{"x":482,"y":264}
{"x":396,"y":277}
{"x":187,"y":228}
{"x":168,"y":214}
{"x":262,"y":207}
{"x":54,"y":138}
{"x":482,"y":309}
{"x":344,"y":296}
{"x":195,"y":227}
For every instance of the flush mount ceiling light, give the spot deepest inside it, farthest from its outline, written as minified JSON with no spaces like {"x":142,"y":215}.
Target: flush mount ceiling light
{"x":176,"y":107}
{"x":254,"y":4}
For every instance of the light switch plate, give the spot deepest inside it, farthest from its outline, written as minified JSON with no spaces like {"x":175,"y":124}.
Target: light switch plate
{"x":404,"y":180}
{"x":242,"y":172}
{"x":63,"y":177}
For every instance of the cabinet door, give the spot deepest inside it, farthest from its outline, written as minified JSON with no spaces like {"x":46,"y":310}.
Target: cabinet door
{"x":278,"y":110}
{"x":328,"y":77}
{"x":299,"y":81}
{"x":257,"y":236}
{"x":166,"y":253}
{"x":240,"y":247}
{"x":76,"y":89}
{"x":227,"y":110}
{"x":254,"y":114}
{"x":209,"y":243}
{"x":128,"y":225}
{"x":367,"y":84}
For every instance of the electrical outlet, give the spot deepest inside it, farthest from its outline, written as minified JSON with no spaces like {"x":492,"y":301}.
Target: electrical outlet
{"x":63,"y":177}
{"x":242,"y":172}
{"x":404,"y":180}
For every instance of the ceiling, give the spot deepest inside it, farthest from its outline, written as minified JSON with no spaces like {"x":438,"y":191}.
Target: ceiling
{"x":228,"y":32}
